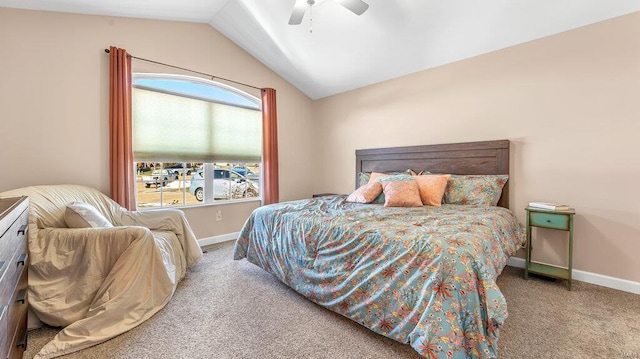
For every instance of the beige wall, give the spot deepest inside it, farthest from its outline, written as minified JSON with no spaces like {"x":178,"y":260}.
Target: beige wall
{"x":569,"y":104}
{"x":54,"y":93}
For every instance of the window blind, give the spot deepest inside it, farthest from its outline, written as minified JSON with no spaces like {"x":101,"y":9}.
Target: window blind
{"x":171,"y":128}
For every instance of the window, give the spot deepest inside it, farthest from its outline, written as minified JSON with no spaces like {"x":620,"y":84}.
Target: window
{"x":195,"y":141}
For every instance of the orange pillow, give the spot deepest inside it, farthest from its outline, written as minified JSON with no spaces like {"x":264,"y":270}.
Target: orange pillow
{"x":432,"y":188}
{"x":366,"y":193}
{"x":401,"y":194}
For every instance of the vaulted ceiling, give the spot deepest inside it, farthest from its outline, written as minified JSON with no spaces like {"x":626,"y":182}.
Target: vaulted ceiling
{"x":345,"y":51}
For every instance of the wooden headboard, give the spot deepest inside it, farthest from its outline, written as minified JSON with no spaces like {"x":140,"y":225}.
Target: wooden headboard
{"x":468,"y":158}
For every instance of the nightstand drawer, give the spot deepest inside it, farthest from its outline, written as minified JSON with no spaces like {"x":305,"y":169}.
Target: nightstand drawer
{"x":549,"y":220}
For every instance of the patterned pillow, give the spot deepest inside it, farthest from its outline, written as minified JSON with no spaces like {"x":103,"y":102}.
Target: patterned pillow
{"x":366,"y":193}
{"x":83,"y":215}
{"x":377,"y":175}
{"x":400,"y":191}
{"x":365,"y":177}
{"x":475,"y":189}
{"x":432,"y":188}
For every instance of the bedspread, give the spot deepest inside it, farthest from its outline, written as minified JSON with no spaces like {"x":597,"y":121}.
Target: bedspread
{"x":424,"y":276}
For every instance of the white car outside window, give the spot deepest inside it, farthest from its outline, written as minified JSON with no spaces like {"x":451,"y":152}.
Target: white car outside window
{"x":227,"y":184}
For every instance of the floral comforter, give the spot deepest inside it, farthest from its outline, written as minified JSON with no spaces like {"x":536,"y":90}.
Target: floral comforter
{"x":424,"y":276}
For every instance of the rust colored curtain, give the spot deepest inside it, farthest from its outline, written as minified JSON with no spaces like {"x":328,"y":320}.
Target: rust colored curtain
{"x":120,"y":141}
{"x":270,"y":186}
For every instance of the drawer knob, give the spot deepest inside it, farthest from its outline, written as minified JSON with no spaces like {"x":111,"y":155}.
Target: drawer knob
{"x":22,"y":295}
{"x":548,"y":221}
{"x":23,"y":229}
{"x":23,"y":342}
{"x":22,"y":259}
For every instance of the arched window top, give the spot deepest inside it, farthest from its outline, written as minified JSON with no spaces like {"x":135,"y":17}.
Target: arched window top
{"x":198,"y":88}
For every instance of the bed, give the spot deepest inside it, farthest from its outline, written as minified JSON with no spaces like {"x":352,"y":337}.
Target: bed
{"x":424,"y":276}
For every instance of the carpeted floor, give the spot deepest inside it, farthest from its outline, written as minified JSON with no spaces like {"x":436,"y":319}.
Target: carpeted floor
{"x":233,"y":309}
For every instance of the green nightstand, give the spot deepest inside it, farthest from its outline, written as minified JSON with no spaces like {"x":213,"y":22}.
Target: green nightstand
{"x":561,"y":220}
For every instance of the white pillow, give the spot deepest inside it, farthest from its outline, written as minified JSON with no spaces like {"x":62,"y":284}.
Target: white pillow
{"x":83,"y":215}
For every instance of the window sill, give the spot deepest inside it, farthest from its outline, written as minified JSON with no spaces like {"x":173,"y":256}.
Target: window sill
{"x":200,"y":205}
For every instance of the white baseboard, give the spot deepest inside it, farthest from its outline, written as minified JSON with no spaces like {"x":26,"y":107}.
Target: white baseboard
{"x":218,"y":239}
{"x":592,"y":278}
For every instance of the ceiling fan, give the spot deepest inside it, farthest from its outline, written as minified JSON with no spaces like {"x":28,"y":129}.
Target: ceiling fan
{"x":358,"y":7}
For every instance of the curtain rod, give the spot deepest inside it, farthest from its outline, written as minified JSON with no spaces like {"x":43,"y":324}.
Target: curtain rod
{"x":182,"y":68}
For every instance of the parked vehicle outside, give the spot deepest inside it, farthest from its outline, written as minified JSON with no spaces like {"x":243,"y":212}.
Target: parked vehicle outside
{"x":177,"y":169}
{"x":227,"y":184}
{"x":159,"y":178}
{"x":247,"y":173}
{"x":143,"y":167}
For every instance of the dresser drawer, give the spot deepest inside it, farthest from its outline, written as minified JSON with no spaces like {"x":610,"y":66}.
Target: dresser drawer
{"x":13,"y":256}
{"x":13,"y":323}
{"x":18,"y":319}
{"x":4,"y":328}
{"x":13,"y":276}
{"x":549,"y":220}
{"x":12,"y":239}
{"x":11,"y":211}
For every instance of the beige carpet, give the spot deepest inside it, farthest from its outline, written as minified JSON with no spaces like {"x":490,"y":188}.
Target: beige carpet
{"x":233,"y":309}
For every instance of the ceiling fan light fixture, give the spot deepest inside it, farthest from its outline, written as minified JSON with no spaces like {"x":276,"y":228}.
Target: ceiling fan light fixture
{"x":358,"y":7}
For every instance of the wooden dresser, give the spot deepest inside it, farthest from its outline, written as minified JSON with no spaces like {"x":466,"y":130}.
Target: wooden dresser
{"x":13,"y":276}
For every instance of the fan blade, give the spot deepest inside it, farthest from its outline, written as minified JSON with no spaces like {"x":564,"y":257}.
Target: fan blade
{"x":356,"y":6}
{"x":299,"y":8}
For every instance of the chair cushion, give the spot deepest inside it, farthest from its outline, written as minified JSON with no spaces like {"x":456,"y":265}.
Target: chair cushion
{"x":82,"y":215}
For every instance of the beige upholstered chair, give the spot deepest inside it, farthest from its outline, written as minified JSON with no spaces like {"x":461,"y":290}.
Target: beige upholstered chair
{"x":98,"y":282}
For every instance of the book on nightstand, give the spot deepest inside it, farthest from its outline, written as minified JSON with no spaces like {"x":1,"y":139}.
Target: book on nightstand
{"x":550,"y":206}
